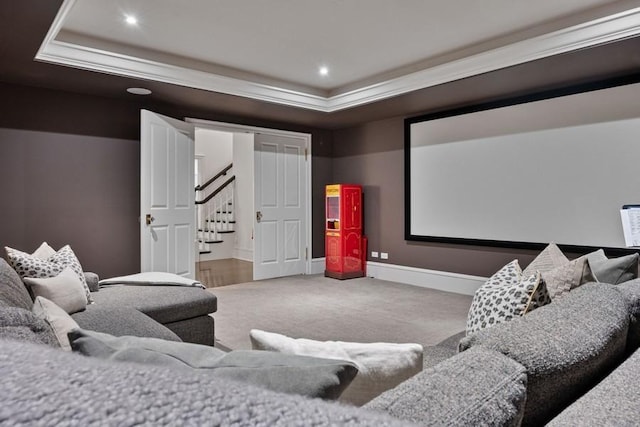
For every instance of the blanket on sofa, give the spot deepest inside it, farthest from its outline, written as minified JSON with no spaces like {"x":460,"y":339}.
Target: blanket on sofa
{"x":152,"y":278}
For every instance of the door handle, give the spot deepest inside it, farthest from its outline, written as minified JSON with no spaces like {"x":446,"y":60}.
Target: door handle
{"x":149,"y":219}
{"x":258,"y":216}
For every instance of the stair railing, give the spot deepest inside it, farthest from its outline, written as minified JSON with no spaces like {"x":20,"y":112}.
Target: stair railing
{"x":215,"y":213}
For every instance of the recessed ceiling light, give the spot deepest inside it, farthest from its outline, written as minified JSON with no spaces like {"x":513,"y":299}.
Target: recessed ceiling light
{"x":139,"y":91}
{"x":324,"y":71}
{"x":130,"y":19}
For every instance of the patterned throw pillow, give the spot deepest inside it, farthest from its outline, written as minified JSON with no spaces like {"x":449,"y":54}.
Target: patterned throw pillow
{"x":28,"y":265}
{"x":507,"y":294}
{"x":551,"y":257}
{"x":568,"y":276}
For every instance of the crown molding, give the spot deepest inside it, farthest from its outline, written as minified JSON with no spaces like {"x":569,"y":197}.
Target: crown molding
{"x":608,"y":29}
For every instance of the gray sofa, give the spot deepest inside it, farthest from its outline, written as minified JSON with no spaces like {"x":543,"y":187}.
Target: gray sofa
{"x":170,"y":312}
{"x":573,"y":362}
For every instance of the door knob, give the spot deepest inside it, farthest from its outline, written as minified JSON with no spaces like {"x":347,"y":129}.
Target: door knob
{"x":258,"y":216}
{"x":149,"y":219}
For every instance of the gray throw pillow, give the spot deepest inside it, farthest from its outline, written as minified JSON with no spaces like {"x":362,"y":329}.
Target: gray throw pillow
{"x":613,"y":270}
{"x":308,"y":376}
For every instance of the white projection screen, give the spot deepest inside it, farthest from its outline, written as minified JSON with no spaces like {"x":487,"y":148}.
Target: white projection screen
{"x":526,"y":172}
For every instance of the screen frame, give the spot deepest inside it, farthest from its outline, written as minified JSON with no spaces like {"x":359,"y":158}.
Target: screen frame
{"x":504,"y":102}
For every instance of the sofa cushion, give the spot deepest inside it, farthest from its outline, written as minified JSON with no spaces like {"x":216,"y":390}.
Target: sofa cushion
{"x":566,"y":346}
{"x":108,"y":393}
{"x":476,"y":387}
{"x":506,"y":295}
{"x":18,"y":323}
{"x":12,"y":290}
{"x":309,"y":376}
{"x":613,"y":402}
{"x":122,"y":321}
{"x":164,"y":304}
{"x":65,"y":290}
{"x":381,"y":366}
{"x":613,"y":270}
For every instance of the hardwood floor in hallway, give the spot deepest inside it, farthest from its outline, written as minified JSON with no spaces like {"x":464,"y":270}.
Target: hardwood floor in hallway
{"x":213,"y":274}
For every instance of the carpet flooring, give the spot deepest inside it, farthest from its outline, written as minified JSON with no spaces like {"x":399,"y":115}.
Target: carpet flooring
{"x":320,"y":308}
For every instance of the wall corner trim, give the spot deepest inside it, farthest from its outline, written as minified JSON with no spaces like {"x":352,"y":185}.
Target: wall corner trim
{"x":318,"y":265}
{"x":433,"y":279}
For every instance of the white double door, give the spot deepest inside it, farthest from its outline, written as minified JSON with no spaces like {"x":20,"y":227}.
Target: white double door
{"x":280,"y":200}
{"x":167,"y":200}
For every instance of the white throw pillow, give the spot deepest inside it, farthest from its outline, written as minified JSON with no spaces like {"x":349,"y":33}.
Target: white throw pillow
{"x":65,"y":290}
{"x":44,"y":251}
{"x":57,"y":318}
{"x":381,"y":366}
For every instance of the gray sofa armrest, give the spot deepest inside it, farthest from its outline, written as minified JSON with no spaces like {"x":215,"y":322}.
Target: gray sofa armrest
{"x":92,"y":281}
{"x":50,"y":384}
{"x":120,"y":321}
{"x":613,"y":402}
{"x":566,"y":346}
{"x":477,"y":387}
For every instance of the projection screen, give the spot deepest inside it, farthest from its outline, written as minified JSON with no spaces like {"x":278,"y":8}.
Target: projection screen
{"x":526,"y":172}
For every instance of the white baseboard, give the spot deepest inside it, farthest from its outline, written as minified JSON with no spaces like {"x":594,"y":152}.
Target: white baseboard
{"x":434,"y":279}
{"x":317,"y":265}
{"x":243,"y":254}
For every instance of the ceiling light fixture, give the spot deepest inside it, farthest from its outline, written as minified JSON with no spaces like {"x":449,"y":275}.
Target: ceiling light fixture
{"x":324,"y":71}
{"x":139,"y":91}
{"x":130,"y":19}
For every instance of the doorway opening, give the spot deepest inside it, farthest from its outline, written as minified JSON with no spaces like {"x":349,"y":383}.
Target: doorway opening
{"x":263,"y":229}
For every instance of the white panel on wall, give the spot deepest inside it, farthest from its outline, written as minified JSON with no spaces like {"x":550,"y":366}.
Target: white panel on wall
{"x":243,"y":202}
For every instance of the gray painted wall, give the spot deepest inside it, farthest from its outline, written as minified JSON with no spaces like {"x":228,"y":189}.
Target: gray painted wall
{"x":70,"y":166}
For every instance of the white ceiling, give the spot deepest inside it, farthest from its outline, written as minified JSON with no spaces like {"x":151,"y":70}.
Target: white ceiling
{"x":374,"y":49}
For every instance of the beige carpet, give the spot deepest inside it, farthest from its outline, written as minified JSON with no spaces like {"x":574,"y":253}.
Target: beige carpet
{"x":357,"y":310}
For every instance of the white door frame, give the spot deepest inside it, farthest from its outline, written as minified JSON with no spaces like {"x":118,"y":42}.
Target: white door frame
{"x":237,"y":128}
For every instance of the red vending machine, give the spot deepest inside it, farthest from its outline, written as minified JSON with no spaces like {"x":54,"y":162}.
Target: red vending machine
{"x":345,"y":246}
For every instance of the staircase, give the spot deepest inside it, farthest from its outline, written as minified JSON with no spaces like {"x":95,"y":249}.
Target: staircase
{"x":214,"y":210}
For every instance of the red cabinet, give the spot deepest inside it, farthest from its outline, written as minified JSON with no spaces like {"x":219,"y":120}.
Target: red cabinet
{"x":344,"y":243}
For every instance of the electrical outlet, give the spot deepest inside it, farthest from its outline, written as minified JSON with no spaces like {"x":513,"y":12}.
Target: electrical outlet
{"x":384,"y":255}
{"x":374,"y":254}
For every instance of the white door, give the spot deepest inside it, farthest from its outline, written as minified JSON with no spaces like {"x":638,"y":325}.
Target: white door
{"x":280,"y":200}
{"x":167,"y":196}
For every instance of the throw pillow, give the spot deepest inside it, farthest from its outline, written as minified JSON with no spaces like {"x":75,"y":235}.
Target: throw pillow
{"x":551,"y":257}
{"x":613,"y":270}
{"x":57,"y":318}
{"x":28,"y":265}
{"x":44,"y":251}
{"x":65,"y":290}
{"x":308,"y":376}
{"x":566,"y":277}
{"x":507,"y":294}
{"x":381,"y":366}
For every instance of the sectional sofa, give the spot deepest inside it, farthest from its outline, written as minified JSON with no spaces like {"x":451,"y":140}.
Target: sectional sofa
{"x":572,"y":362}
